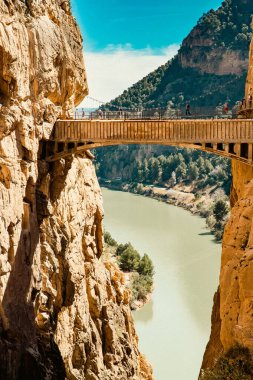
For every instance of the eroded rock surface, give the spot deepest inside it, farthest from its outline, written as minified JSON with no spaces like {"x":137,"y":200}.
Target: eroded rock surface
{"x":63,"y":312}
{"x":232,"y":320}
{"x":233,"y":307}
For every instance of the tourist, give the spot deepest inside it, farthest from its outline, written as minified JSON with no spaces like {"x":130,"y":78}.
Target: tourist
{"x":100,"y":114}
{"x":225,"y":108}
{"x":188,"y":109}
{"x":250,"y":98}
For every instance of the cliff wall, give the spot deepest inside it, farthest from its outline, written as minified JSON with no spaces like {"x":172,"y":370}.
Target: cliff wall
{"x":232,"y":322}
{"x":249,"y":82}
{"x":63,"y":311}
{"x":198,"y":52}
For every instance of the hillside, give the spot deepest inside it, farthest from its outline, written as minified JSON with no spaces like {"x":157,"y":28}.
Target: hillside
{"x":209,"y":68}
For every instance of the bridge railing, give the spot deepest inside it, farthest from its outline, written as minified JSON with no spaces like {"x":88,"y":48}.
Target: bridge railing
{"x":218,"y":112}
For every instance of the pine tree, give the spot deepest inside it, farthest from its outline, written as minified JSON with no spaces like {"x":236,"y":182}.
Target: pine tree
{"x":220,"y":210}
{"x":193,"y":171}
{"x":146,"y":266}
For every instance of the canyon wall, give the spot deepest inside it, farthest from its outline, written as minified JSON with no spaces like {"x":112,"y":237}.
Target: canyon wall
{"x":232,"y":318}
{"x":249,"y":82}
{"x":232,"y":322}
{"x":64,"y":310}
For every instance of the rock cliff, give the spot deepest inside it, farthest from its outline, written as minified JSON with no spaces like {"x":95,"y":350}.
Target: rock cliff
{"x":198,"y":52}
{"x":232,"y":322}
{"x":63,"y":311}
{"x":249,"y":82}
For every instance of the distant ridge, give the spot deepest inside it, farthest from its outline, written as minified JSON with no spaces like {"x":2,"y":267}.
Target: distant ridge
{"x":210,"y":67}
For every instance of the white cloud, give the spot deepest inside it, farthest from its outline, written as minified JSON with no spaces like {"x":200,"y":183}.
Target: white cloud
{"x":114,"y":69}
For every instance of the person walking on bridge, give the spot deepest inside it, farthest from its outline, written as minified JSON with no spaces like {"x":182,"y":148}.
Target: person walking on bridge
{"x":250,"y":98}
{"x":243,"y":103}
{"x":225,"y":108}
{"x":188,"y":109}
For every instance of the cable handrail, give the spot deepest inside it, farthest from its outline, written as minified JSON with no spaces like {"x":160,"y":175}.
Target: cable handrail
{"x":161,"y":114}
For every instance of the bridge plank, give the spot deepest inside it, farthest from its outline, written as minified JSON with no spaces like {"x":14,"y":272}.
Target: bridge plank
{"x":184,"y":131}
{"x":247,"y":130}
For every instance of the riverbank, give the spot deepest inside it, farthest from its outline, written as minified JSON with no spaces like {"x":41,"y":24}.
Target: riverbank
{"x":186,"y":195}
{"x":138,"y":271}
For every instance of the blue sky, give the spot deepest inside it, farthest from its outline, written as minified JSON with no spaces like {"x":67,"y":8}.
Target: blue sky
{"x":131,"y":38}
{"x":140,"y":23}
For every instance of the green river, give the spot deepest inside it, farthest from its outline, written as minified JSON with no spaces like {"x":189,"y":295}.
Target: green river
{"x":174,"y":327}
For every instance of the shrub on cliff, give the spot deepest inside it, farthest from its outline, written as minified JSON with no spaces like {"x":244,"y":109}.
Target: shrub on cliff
{"x":141,"y":278}
{"x":109,"y":239}
{"x":129,"y":260}
{"x":217,"y":216}
{"x":220,"y":210}
{"x":236,"y":364}
{"x":146,"y":267}
{"x":122,"y":247}
{"x":141,"y":287}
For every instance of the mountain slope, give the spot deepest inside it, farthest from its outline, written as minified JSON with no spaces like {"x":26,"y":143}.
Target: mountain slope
{"x":209,"y":68}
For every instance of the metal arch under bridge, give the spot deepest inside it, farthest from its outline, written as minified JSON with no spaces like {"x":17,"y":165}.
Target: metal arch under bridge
{"x":226,"y":137}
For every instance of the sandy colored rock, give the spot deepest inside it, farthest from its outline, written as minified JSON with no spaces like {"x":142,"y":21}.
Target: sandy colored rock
{"x":234,"y":302}
{"x":232,"y":322}
{"x":64,"y":313}
{"x":249,"y":83}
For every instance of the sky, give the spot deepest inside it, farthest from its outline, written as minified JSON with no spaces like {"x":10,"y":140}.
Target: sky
{"x":126,"y":40}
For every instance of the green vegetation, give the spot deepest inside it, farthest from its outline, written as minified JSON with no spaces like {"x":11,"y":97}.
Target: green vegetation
{"x":109,"y":239}
{"x":129,"y":260}
{"x":217,"y":216}
{"x":176,"y":86}
{"x":141,"y":287}
{"x":220,"y":210}
{"x":142,"y":167}
{"x":146,"y":267}
{"x":141,"y":269}
{"x":236,"y":364}
{"x":160,"y":166}
{"x":227,"y":28}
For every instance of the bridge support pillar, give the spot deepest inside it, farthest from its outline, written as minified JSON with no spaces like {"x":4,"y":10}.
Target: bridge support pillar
{"x":237,"y":149}
{"x":250,"y":152}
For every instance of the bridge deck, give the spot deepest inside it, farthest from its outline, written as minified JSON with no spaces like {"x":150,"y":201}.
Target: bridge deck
{"x":226,"y":137}
{"x":156,"y":131}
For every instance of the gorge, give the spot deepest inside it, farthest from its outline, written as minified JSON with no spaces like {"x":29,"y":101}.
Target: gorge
{"x":186,"y":261}
{"x":64,"y":314}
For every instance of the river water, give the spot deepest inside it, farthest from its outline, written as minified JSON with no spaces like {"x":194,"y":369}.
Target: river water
{"x":174,"y":327}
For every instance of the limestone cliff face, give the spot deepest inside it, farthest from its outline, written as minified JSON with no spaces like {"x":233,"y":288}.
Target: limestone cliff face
{"x":63,"y":311}
{"x":84,"y":296}
{"x":249,"y":83}
{"x":198,"y":51}
{"x":233,"y":306}
{"x":232,"y":320}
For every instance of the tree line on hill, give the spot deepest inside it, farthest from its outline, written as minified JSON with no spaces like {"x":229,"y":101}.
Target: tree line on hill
{"x":142,"y":168}
{"x":132,"y":164}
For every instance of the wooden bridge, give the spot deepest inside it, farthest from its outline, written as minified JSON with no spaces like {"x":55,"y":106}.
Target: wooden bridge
{"x":225,"y":137}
